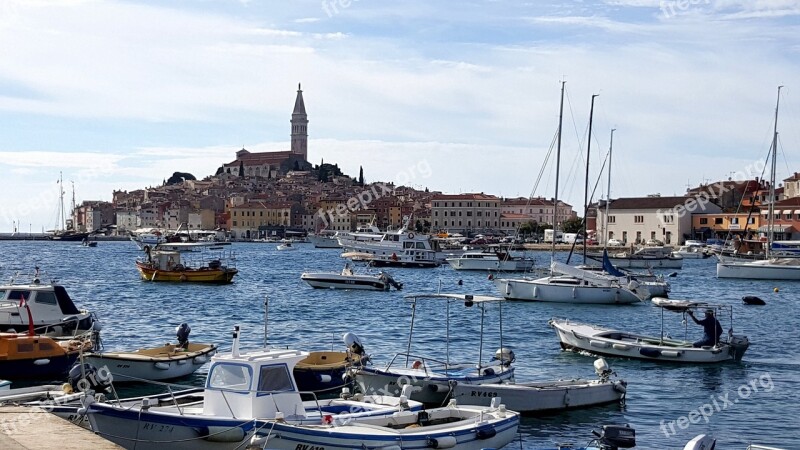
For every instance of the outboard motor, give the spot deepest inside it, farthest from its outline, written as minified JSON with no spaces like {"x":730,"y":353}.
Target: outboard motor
{"x":86,"y":377}
{"x":392,"y":282}
{"x":182,"y":333}
{"x":602,"y":369}
{"x":505,"y":355}
{"x":353,"y":344}
{"x":614,"y":437}
{"x":739,"y":345}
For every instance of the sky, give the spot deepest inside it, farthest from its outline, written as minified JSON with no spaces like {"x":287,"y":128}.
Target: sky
{"x":456,"y":96}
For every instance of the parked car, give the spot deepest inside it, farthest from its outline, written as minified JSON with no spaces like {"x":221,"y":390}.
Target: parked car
{"x":615,"y":243}
{"x":653,"y":242}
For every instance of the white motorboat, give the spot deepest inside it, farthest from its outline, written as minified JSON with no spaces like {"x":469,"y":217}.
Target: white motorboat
{"x":251,"y":398}
{"x":538,"y":397}
{"x":431,"y":377}
{"x":54,"y":312}
{"x":158,"y":363}
{"x":286,"y":246}
{"x":691,"y":252}
{"x":656,"y":285}
{"x":610,"y":342}
{"x":5,"y":385}
{"x":569,"y":284}
{"x":651,"y":257}
{"x":348,"y":279}
{"x":766,"y":269}
{"x":490,"y":261}
{"x":324,"y":239}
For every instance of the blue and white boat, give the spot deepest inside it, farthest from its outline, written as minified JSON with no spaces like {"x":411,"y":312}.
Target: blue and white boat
{"x":432,"y":377}
{"x":251,"y":399}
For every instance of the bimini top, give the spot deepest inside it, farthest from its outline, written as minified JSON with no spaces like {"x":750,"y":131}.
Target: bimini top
{"x":462,"y":297}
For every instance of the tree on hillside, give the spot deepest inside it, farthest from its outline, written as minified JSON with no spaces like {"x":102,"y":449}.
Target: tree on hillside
{"x":241,"y":169}
{"x":219,"y":171}
{"x":296,"y":166}
{"x":361,"y":175}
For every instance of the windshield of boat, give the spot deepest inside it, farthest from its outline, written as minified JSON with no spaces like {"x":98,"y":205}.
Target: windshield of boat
{"x":275,"y":379}
{"x":235,"y":377}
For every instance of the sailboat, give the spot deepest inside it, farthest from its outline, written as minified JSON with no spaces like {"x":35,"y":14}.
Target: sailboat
{"x":62,"y":232}
{"x":568,"y":284}
{"x":771,"y":268}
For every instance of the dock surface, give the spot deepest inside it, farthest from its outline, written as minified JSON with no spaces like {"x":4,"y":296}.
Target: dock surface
{"x":23,"y":428}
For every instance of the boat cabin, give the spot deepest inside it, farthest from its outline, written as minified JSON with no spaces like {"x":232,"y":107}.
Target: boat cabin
{"x":254,"y":384}
{"x":50,"y":305}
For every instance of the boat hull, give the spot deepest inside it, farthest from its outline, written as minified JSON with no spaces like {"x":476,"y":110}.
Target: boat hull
{"x":128,"y":368}
{"x":133,"y":427}
{"x":336,"y":281}
{"x":588,"y":338}
{"x":207,"y":275}
{"x":431,"y":390}
{"x":46,"y":367}
{"x":530,"y":290}
{"x":756,"y":271}
{"x":325,"y":372}
{"x":490,"y":265}
{"x":324,"y":241}
{"x":401,"y":263}
{"x":532,"y":398}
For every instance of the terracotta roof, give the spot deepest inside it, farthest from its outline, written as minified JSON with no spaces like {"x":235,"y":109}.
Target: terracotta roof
{"x":264,"y":205}
{"x":513,"y":216}
{"x":795,"y":177}
{"x":538,"y":201}
{"x":789,"y":202}
{"x":648,"y":202}
{"x":464,"y":197}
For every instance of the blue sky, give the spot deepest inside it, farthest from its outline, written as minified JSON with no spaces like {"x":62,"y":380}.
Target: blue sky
{"x":118,"y":95}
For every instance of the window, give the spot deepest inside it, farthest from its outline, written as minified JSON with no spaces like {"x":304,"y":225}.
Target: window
{"x":653,"y":235}
{"x":612,"y":219}
{"x":704,"y":221}
{"x":638,"y":219}
{"x":19,"y":295}
{"x":230,"y":376}
{"x":48,"y":298}
{"x":788,"y":216}
{"x":275,"y":379}
{"x":638,"y":237}
{"x":751,"y":221}
{"x":718,"y":221}
{"x":624,"y":236}
{"x":469,"y":213}
{"x":734,"y":221}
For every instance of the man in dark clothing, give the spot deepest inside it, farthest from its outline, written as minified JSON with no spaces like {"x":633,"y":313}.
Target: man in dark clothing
{"x":712,"y":329}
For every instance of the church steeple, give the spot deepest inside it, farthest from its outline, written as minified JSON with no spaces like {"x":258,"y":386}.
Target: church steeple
{"x":300,"y":126}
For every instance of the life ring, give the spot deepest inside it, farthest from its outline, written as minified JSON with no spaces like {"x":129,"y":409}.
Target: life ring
{"x":411,"y":235}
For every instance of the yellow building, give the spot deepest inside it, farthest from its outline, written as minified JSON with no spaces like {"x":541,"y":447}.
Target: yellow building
{"x":248,"y":217}
{"x":720,"y":224}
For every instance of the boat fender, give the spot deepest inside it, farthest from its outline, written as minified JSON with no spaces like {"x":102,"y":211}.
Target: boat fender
{"x":650,"y":352}
{"x":199,"y":359}
{"x":181,"y":362}
{"x":485,"y":432}
{"x":394,"y":256}
{"x":324,"y":378}
{"x":162,"y":365}
{"x":621,"y":386}
{"x":442,"y":442}
{"x":601,"y":344}
{"x":439,"y":387}
{"x":417,"y":365}
{"x":41,"y":362}
{"x":671,"y":353}
{"x":183,"y":277}
{"x":221,"y":434}
{"x":487,"y":372}
{"x":621,"y":347}
{"x":752,"y":300}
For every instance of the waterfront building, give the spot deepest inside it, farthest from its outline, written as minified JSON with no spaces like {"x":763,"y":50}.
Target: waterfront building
{"x":465,"y":213}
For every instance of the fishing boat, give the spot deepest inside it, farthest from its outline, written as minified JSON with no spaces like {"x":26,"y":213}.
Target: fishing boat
{"x":55,"y":313}
{"x":156,"y":363}
{"x":173,"y":266}
{"x":691,"y":252}
{"x":432,"y":377}
{"x":489,"y":260}
{"x":773,"y":267}
{"x":324,"y":372}
{"x":547,"y":396}
{"x":87,"y":243}
{"x":604,"y":341}
{"x":251,"y":398}
{"x":28,"y":356}
{"x":348,"y":279}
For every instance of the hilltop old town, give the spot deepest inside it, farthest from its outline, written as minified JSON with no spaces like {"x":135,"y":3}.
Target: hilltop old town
{"x":259,"y":195}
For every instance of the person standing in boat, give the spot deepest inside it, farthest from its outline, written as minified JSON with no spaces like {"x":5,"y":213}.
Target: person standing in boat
{"x":712,"y":329}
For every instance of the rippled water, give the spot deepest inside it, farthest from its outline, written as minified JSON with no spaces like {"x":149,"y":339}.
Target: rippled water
{"x":136,"y":313}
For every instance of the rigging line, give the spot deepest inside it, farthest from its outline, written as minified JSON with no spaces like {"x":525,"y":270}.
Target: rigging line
{"x":752,"y":197}
{"x":579,"y":158}
{"x":785,"y":161}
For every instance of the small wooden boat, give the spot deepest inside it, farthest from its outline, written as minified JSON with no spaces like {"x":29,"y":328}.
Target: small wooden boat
{"x":609,"y":342}
{"x":27,"y":356}
{"x":286,"y":246}
{"x":539,"y":397}
{"x":159,"y":363}
{"x":171,"y":266}
{"x":326,"y":371}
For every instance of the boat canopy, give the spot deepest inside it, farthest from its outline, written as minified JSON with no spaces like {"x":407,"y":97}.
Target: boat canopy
{"x":64,"y":301}
{"x":462,"y":297}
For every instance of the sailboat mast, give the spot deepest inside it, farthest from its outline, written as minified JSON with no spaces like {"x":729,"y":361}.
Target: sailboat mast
{"x":586,"y":181}
{"x":63,"y":224}
{"x":608,"y":193}
{"x":771,"y":230}
{"x":558,"y":168}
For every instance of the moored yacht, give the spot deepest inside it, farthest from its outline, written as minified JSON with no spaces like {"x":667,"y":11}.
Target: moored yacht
{"x":490,"y":260}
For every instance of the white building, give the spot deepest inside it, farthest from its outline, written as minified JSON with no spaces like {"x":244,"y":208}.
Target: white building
{"x":639,"y":219}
